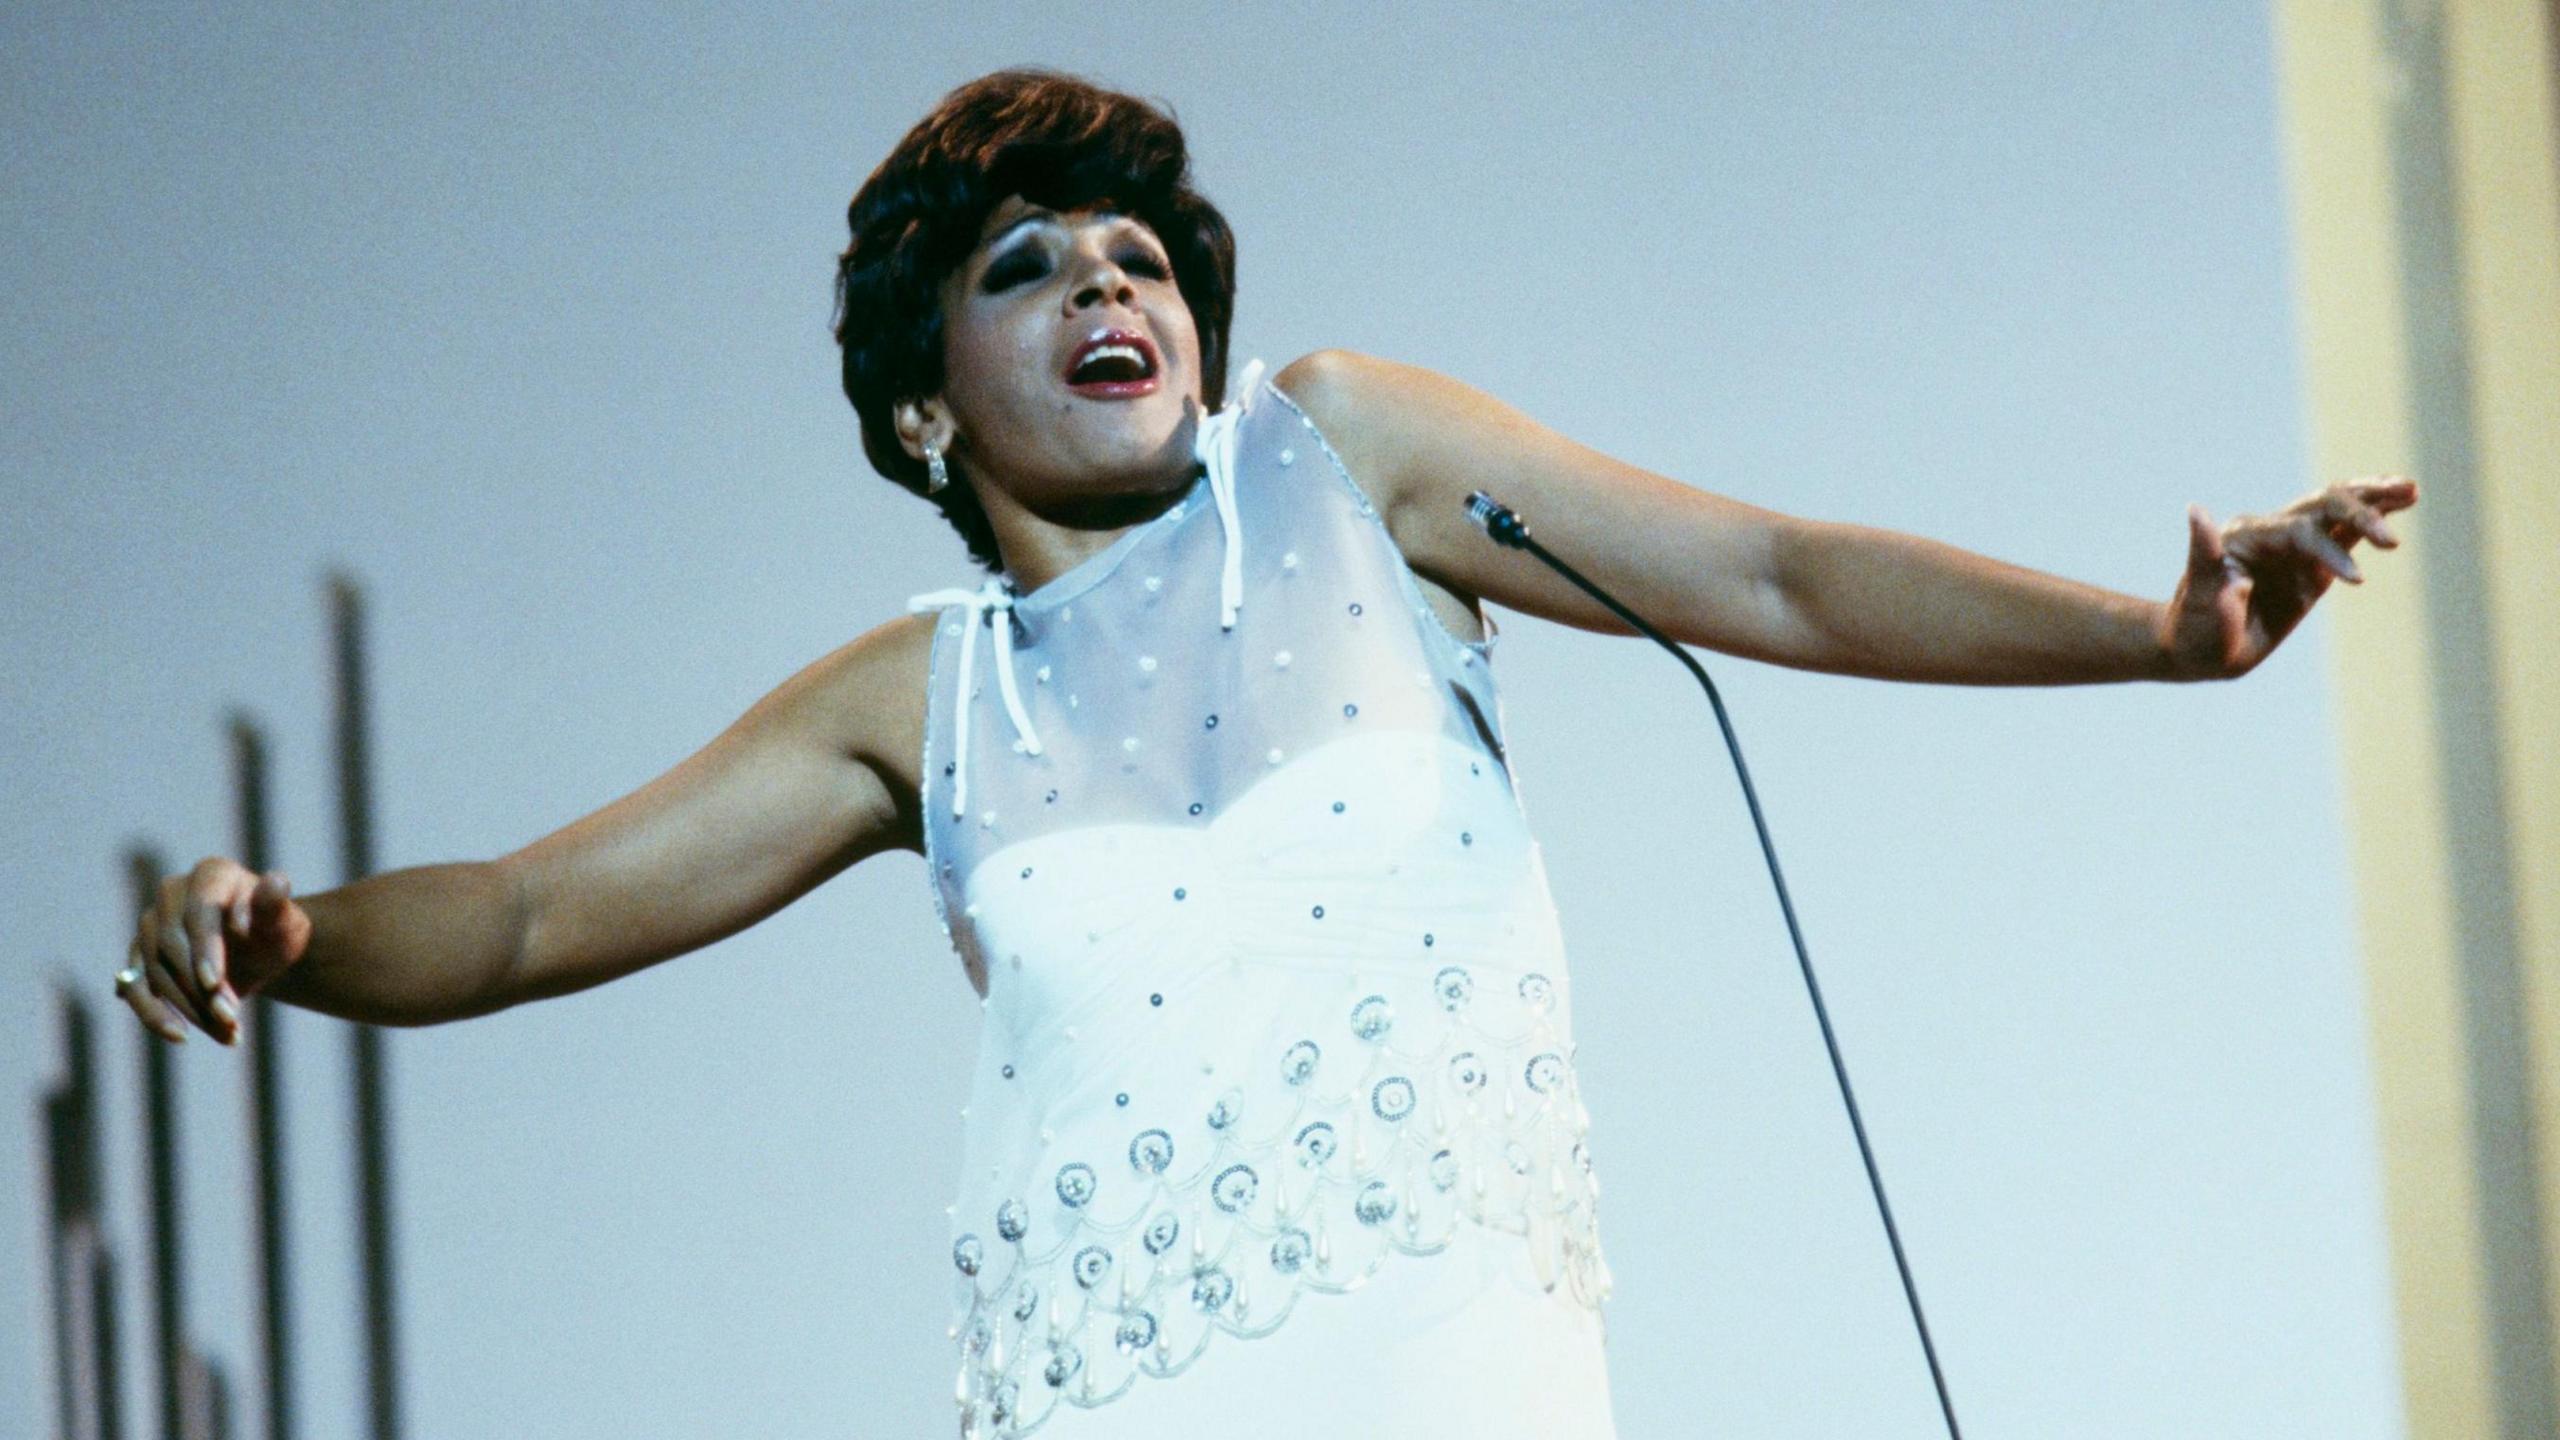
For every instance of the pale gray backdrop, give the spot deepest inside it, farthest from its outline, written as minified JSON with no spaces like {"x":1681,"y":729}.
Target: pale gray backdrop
{"x":522,"y":315}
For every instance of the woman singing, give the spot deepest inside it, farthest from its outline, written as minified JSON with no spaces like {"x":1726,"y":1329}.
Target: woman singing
{"x":1275,"y":1127}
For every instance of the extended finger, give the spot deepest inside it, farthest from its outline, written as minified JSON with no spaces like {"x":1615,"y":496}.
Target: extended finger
{"x":175,"y":951}
{"x":2231,"y":617}
{"x":2390,"y":492}
{"x":2313,"y":538}
{"x":2348,"y":518}
{"x":220,"y":904}
{"x":149,"y":1008}
{"x":2204,"y":542}
{"x":165,"y":986}
{"x":203,"y":924}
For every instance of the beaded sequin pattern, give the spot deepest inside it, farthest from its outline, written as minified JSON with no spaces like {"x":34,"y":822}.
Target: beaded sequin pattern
{"x":1274,"y":990}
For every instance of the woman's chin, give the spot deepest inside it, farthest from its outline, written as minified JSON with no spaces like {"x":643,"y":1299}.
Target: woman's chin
{"x":1152,"y":435}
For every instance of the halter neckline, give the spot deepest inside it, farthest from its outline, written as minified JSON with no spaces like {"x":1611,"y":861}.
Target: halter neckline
{"x":993,"y":600}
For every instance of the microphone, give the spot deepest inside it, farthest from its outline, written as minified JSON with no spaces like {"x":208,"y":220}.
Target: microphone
{"x":1506,"y":528}
{"x":1498,"y":520}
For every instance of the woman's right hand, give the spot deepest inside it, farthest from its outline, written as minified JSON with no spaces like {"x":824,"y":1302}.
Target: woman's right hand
{"x":216,"y":933}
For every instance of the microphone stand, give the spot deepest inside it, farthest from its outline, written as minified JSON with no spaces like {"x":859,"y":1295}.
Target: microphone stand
{"x":1507,"y":528}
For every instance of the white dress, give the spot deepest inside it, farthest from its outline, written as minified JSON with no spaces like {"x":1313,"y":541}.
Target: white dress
{"x":1274,"y":1128}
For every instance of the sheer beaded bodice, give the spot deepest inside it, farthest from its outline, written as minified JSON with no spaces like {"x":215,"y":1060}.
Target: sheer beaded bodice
{"x":1274,"y":991}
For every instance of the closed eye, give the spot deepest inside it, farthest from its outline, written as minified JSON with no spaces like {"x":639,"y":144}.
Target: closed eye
{"x":1029,"y":262}
{"x":1017,"y":265}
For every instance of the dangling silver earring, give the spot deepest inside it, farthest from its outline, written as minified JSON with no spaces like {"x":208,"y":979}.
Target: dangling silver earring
{"x":937,"y":474}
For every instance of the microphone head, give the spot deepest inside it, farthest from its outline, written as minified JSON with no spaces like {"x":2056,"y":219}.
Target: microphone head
{"x":1496,"y":519}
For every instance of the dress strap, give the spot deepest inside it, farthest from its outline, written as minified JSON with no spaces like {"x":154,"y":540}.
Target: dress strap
{"x":1215,"y":448}
{"x":992,"y":602}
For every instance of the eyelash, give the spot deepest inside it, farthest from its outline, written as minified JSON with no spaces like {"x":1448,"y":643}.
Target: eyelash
{"x":1026,"y":263}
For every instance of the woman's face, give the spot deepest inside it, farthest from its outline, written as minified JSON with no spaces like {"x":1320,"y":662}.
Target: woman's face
{"x":1071,"y":364}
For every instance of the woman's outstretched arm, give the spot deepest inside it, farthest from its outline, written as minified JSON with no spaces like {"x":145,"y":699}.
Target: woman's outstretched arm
{"x":792,"y":792}
{"x":1816,"y":595}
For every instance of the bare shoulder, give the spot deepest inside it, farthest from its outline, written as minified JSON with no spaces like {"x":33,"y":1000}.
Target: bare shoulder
{"x":896,"y":656}
{"x":1343,"y":391}
{"x":1393,"y":424}
{"x":1361,"y":405}
{"x":869,"y":696}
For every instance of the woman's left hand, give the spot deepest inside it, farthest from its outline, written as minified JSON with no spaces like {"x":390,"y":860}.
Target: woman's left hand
{"x":2250,"y":580}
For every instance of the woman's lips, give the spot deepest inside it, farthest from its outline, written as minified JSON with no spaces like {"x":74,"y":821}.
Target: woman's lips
{"x":1123,"y":347}
{"x":1116,"y":389}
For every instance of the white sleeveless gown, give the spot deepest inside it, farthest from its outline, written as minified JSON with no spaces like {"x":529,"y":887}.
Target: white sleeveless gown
{"x":1274,"y":1129}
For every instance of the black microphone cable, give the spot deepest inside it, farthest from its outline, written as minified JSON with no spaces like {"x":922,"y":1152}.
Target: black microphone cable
{"x":1507,"y":528}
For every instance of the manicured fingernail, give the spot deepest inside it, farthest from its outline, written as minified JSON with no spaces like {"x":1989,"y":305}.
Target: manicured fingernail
{"x":204,"y":973}
{"x":223,"y":1007}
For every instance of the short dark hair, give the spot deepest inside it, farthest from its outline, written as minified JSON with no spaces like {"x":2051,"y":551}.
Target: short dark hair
{"x":1056,"y":140}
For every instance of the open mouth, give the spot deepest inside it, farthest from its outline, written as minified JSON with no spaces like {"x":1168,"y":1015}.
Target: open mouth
{"x":1111,"y":364}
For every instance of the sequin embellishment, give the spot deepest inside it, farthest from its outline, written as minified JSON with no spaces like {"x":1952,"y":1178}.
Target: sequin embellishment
{"x":1426,"y":1140}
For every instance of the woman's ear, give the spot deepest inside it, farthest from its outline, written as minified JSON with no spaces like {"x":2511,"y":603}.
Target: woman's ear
{"x":922,"y":423}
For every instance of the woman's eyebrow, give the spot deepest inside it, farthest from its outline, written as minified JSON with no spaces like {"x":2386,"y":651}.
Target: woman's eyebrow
{"x":1008,"y":232}
{"x":1039,"y":214}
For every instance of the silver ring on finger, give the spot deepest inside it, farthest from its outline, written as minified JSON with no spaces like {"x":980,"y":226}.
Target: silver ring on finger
{"x":129,"y":975}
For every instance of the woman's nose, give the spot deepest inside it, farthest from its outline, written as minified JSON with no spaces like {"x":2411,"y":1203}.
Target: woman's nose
{"x":1101,"y":284}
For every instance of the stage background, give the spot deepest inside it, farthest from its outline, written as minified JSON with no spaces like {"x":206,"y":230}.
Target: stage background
{"x":522,"y":315}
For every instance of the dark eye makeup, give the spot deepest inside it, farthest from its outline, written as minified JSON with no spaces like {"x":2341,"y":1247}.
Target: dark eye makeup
{"x":1029,"y":261}
{"x":1023,"y":262}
